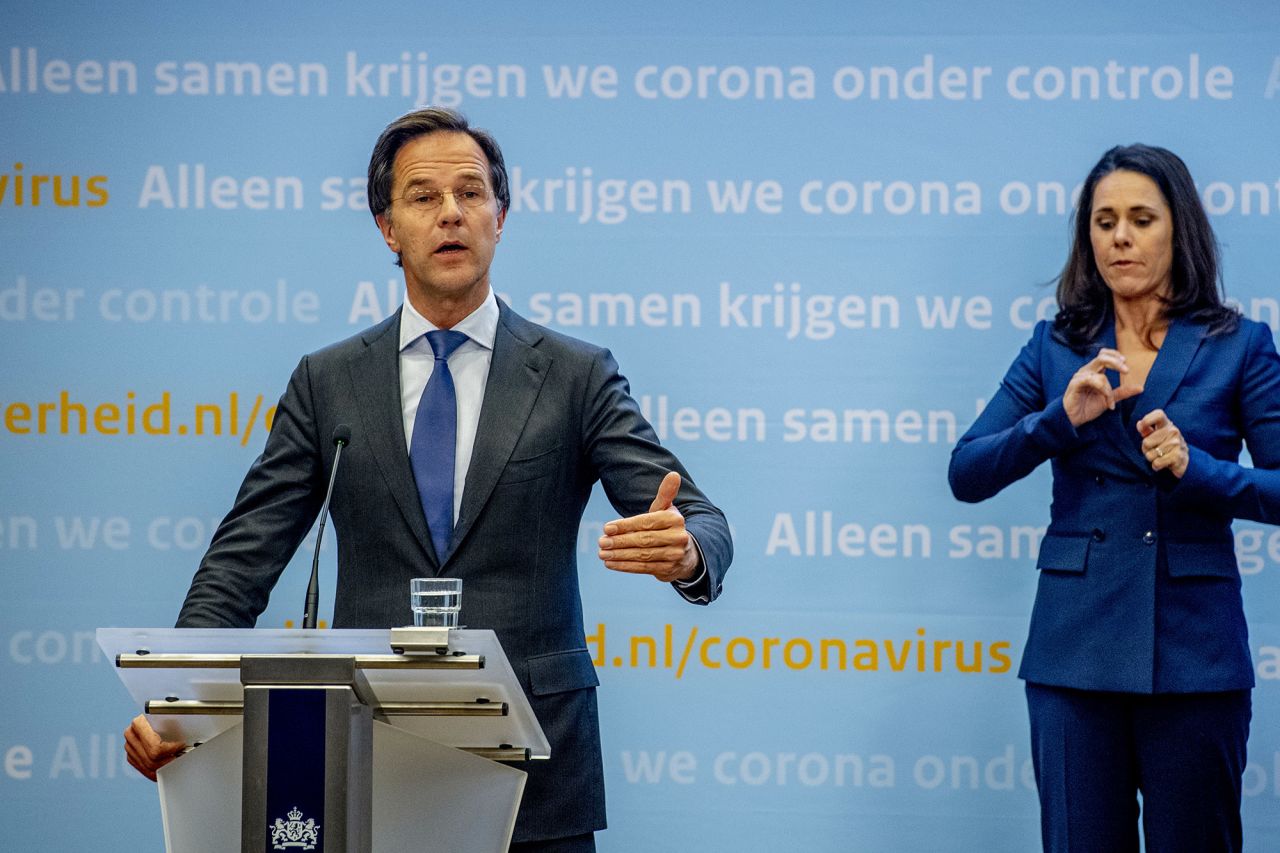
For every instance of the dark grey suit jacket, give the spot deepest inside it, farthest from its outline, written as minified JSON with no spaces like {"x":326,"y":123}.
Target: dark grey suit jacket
{"x":556,"y":418}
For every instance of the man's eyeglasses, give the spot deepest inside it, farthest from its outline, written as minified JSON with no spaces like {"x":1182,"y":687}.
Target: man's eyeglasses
{"x":471,"y":195}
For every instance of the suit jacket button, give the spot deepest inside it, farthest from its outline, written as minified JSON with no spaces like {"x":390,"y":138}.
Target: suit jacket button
{"x":1098,"y":535}
{"x":1149,"y":537}
{"x":1099,"y":479}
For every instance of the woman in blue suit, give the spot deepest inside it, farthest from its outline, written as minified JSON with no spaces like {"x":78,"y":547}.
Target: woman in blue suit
{"x":1140,"y":394}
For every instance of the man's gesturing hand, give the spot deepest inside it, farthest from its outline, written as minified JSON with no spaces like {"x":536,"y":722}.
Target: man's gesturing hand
{"x":654,"y":543}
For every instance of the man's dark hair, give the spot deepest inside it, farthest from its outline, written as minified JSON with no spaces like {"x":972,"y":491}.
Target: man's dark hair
{"x":1084,"y":301}
{"x":420,"y":123}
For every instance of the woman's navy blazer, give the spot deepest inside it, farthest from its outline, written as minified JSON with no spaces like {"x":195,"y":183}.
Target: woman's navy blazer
{"x":1139,"y":589}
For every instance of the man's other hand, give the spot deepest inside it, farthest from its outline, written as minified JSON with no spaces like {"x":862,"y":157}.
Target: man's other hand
{"x":145,"y":750}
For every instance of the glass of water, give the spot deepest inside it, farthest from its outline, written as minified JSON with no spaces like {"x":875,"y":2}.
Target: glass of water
{"x":436,"y":602}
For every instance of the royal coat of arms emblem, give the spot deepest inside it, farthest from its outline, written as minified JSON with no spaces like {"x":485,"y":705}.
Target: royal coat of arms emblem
{"x":294,"y":832}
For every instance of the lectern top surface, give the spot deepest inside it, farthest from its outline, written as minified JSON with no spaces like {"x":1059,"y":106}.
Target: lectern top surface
{"x":495,"y":682}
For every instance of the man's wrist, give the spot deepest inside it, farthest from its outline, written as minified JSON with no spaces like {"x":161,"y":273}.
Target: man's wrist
{"x":697,"y":572}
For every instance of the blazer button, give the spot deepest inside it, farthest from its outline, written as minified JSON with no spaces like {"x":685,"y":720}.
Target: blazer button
{"x":1099,"y":479}
{"x":1149,"y":537}
{"x":1098,"y":535}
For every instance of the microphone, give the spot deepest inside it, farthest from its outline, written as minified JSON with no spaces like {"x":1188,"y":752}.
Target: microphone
{"x":341,"y":438}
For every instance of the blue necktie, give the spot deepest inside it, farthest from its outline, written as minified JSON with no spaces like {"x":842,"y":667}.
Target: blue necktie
{"x":435,"y":437}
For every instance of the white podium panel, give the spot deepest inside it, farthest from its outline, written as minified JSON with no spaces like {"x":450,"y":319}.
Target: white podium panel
{"x":200,"y":796}
{"x":426,"y":797}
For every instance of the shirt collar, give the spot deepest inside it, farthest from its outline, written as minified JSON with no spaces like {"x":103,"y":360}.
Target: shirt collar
{"x":481,"y":325}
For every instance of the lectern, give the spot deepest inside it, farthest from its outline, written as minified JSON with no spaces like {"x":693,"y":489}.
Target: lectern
{"x":341,"y":741}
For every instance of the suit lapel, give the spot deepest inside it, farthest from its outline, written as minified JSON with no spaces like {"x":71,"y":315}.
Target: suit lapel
{"x":1180,"y":345}
{"x":516,"y":374}
{"x":375,"y":375}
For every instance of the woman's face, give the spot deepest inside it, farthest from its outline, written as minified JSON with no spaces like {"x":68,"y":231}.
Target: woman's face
{"x":1131,"y":229}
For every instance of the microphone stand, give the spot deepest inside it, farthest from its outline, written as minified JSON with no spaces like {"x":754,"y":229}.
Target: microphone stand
{"x":341,"y":435}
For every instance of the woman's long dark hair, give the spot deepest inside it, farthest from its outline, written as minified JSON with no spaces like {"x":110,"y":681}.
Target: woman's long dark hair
{"x":1195,"y":292}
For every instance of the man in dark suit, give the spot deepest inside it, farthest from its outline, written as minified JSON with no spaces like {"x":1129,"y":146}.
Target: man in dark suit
{"x":488,"y":487}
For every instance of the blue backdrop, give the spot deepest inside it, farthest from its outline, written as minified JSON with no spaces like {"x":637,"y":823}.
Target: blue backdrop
{"x":813,"y":234}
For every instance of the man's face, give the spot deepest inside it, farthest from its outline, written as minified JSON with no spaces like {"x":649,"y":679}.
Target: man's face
{"x":446,"y":250}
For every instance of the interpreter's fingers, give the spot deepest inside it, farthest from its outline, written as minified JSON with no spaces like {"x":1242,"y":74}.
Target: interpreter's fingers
{"x":1152,"y":421}
{"x":663,"y":519}
{"x":1124,"y":392}
{"x":667,"y":491}
{"x":1164,"y":443}
{"x":1180,"y":459}
{"x":1107,"y":359}
{"x":1160,"y":459}
{"x":1168,"y":434}
{"x":1171,"y":455}
{"x":1098,"y":384}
